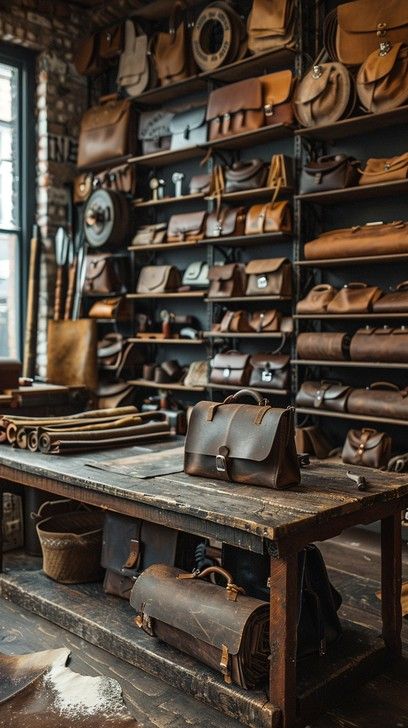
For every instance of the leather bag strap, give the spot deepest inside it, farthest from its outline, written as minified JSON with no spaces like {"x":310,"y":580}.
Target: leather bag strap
{"x":232,"y":589}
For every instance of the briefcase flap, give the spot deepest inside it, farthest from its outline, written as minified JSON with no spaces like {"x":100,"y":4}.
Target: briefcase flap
{"x":153,"y":277}
{"x":354,"y":438}
{"x":194,"y":606}
{"x":265,"y":265}
{"x":186,"y":223}
{"x":326,"y":164}
{"x":187,"y":121}
{"x":263,"y":319}
{"x":230,"y":360}
{"x":277,"y":87}
{"x":224,"y":223}
{"x":154,"y":125}
{"x":242,"y":96}
{"x":269,"y":362}
{"x":222,"y":272}
{"x":195,"y":271}
{"x":364,"y":17}
{"x":312,"y":86}
{"x":334,"y":391}
{"x":106,"y":115}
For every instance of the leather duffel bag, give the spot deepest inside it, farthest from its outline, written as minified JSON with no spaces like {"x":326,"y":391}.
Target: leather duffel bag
{"x":226,"y":281}
{"x":326,"y":394}
{"x":216,"y":448}
{"x":361,"y":240}
{"x":354,"y":298}
{"x":380,"y":345}
{"x":382,"y":83}
{"x":367,"y":447}
{"x":380,"y":399}
{"x":231,"y":635}
{"x":235,"y":109}
{"x":390,"y":169}
{"x":394,"y":301}
{"x":107,"y":131}
{"x":231,"y":368}
{"x":269,"y":371}
{"x":317,"y":300}
{"x":332,"y":172}
{"x":326,"y":345}
{"x":324,"y":95}
{"x":269,"y":277}
{"x":158,"y":279}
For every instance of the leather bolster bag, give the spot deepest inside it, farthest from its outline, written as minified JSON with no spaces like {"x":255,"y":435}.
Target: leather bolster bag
{"x":107,"y":132}
{"x":332,"y":172}
{"x":10,"y":372}
{"x":131,"y":545}
{"x":154,"y":131}
{"x":354,"y":298}
{"x":186,"y":227}
{"x":231,"y":635}
{"x":380,"y":399}
{"x":323,"y":345}
{"x":380,"y":345}
{"x":378,"y":171}
{"x":394,"y":300}
{"x":230,"y":367}
{"x":324,"y":95}
{"x":235,"y":109}
{"x":226,"y":281}
{"x":363,"y":25}
{"x":216,"y":448}
{"x":158,"y":279}
{"x":367,"y":447}
{"x":327,"y":395}
{"x":245,"y":175}
{"x":366,"y":240}
{"x":317,"y":300}
{"x":269,"y":277}
{"x":270,"y":371}
{"x":188,"y":128}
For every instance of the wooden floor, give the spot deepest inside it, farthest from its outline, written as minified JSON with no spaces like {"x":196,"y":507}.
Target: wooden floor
{"x":354,"y":568}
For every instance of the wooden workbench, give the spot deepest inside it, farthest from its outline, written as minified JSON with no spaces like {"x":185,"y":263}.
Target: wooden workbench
{"x":279,"y":523}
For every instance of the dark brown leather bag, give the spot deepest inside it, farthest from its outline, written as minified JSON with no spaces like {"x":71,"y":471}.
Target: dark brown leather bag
{"x":231,"y":368}
{"x":269,"y":277}
{"x":10,"y":372}
{"x":227,"y":222}
{"x":317,"y":300}
{"x":226,"y":281}
{"x":313,"y":441}
{"x":245,"y":175}
{"x":326,"y":394}
{"x":235,"y":109}
{"x":270,"y":371}
{"x":187,"y":227}
{"x":102,"y":275}
{"x":394,"y":301}
{"x":216,"y":448}
{"x":266,"y":321}
{"x":326,"y":345}
{"x":371,"y":239}
{"x":87,"y":60}
{"x":354,"y":298}
{"x":158,"y":279}
{"x":332,"y":172}
{"x":111,"y":42}
{"x":380,"y":345}
{"x":107,"y":131}
{"x":367,"y":447}
{"x":231,"y":633}
{"x":380,"y":399}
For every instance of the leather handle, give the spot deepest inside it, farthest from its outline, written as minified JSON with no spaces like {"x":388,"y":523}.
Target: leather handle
{"x":384,"y":385}
{"x":245,"y":393}
{"x":402,"y":286}
{"x":232,"y":589}
{"x":356,"y":285}
{"x":108,"y":97}
{"x":322,"y":287}
{"x":58,"y":294}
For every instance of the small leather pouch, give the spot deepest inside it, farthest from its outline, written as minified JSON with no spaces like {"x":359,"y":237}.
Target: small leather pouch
{"x":200,"y":184}
{"x":354,"y":298}
{"x":329,"y":395}
{"x":111,"y":308}
{"x":111,"y":42}
{"x":235,"y":322}
{"x":367,"y":447}
{"x":10,"y":372}
{"x":196,"y":275}
{"x":102,"y":275}
{"x":326,"y":345}
{"x":270,"y":371}
{"x":187,"y":227}
{"x":274,"y":217}
{"x":151,"y":234}
{"x":380,"y":345}
{"x":277,"y":97}
{"x":317,"y":300}
{"x":228,"y":222}
{"x":158,"y":279}
{"x":230,"y":367}
{"x":313,"y":441}
{"x":245,"y":175}
{"x":235,"y":109}
{"x":394,"y":301}
{"x":226,"y":281}
{"x":269,"y":277}
{"x":188,"y":128}
{"x":378,"y":171}
{"x":332,"y":172}
{"x":154,"y":131}
{"x":266,"y":321}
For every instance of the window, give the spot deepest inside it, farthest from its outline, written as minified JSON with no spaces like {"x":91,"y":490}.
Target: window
{"x":16,"y":213}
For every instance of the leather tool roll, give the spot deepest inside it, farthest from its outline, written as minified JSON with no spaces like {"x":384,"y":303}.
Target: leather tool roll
{"x":231,"y":368}
{"x":332,"y":172}
{"x":266,"y":456}
{"x":231,"y":633}
{"x":266,"y":321}
{"x":245,"y":175}
{"x":367,"y":447}
{"x":354,"y":298}
{"x":361,"y":240}
{"x":274,"y":217}
{"x":394,"y":301}
{"x":271,"y":25}
{"x":380,"y":399}
{"x":317,"y":300}
{"x":212,"y":49}
{"x":235,"y":109}
{"x":158,"y":279}
{"x":226,"y":281}
{"x":172,"y":54}
{"x":102,"y":275}
{"x":323,"y":345}
{"x":188,"y":128}
{"x":324,"y":95}
{"x":380,"y":345}
{"x":107,"y":132}
{"x":269,"y":277}
{"x":71,"y":353}
{"x":187,"y":227}
{"x":227,"y":222}
{"x":327,"y":395}
{"x":10,"y":372}
{"x":390,"y":169}
{"x":270,"y":371}
{"x":382,"y":79}
{"x":154,"y":130}
{"x":277,"y":97}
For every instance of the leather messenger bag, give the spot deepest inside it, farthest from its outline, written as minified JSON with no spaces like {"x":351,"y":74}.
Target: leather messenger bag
{"x":329,"y":395}
{"x":220,"y":627}
{"x":376,"y":238}
{"x":235,"y":109}
{"x":107,"y":131}
{"x":252,"y":444}
{"x":158,"y":279}
{"x":226,"y":281}
{"x":269,"y":371}
{"x":324,"y":95}
{"x":187,"y":227}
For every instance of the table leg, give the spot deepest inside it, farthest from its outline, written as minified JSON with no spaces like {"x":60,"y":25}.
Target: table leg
{"x":1,"y":528}
{"x":283,"y":636}
{"x":391,"y":566}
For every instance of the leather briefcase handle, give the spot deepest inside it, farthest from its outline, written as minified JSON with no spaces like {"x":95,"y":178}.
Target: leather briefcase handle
{"x":246,"y":393}
{"x":232,"y":589}
{"x":384,"y":385}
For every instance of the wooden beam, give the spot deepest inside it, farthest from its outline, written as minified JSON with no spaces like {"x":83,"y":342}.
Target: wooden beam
{"x":391,"y":582}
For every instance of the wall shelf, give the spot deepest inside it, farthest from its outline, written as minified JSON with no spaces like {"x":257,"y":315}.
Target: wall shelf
{"x":168,"y":200}
{"x":363,"y":259}
{"x":252,"y":138}
{"x":245,"y":240}
{"x":163,"y":246}
{"x":176,"y":386}
{"x":168,"y":157}
{"x":175,"y":294}
{"x":354,"y":194}
{"x":248,"y":299}
{"x":173,"y":342}
{"x":259,"y":193}
{"x":245,"y":335}
{"x":347,"y":416}
{"x":355,"y":364}
{"x":356,"y":125}
{"x":232,"y":388}
{"x":350,"y":316}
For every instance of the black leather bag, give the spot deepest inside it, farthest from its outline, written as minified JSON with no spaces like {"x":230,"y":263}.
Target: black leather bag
{"x":329,"y":173}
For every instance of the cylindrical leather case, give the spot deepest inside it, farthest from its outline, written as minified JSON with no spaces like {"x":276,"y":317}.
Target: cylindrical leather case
{"x":381,"y":344}
{"x":323,"y":345}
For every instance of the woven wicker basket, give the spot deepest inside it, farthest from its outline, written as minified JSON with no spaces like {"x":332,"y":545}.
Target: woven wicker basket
{"x":71,"y":544}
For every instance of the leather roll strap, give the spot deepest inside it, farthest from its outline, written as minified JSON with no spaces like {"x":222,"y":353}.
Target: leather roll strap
{"x":232,"y":589}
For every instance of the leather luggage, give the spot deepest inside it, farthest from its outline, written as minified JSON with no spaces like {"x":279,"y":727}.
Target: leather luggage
{"x":324,"y":95}
{"x":265,"y":457}
{"x":369,"y":26}
{"x":326,"y":345}
{"x":394,"y":301}
{"x":158,"y":279}
{"x":380,"y":399}
{"x":245,"y":175}
{"x":317,"y":300}
{"x":231,"y":368}
{"x":354,"y":298}
{"x":218,"y":626}
{"x":188,"y":128}
{"x":226,"y":222}
{"x":226,"y":281}
{"x":367,"y":447}
{"x":362,"y":240}
{"x":10,"y":373}
{"x":187,"y":227}
{"x":235,"y":109}
{"x":271,"y":25}
{"x":107,"y":131}
{"x":329,"y":395}
{"x":332,"y":172}
{"x":270,"y":371}
{"x":277,"y":97}
{"x":274,"y":217}
{"x":382,"y":83}
{"x":390,"y":169}
{"x":380,"y":345}
{"x":102,"y":275}
{"x":269,"y":277}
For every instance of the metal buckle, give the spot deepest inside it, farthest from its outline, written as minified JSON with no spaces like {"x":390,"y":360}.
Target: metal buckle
{"x":317,"y":72}
{"x":266,"y":376}
{"x":226,"y":117}
{"x":220,"y":464}
{"x":385,"y":47}
{"x":226,"y":372}
{"x":268,"y":108}
{"x":262,"y":282}
{"x":387,"y":166}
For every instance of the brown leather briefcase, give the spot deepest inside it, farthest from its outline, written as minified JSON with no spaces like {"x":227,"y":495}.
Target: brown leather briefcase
{"x":274,"y":217}
{"x":220,"y":627}
{"x":186,"y":227}
{"x":277,"y":101}
{"x":235,"y":109}
{"x":228,"y":222}
{"x":326,"y":394}
{"x":390,"y":169}
{"x":107,"y":131}
{"x":270,"y":371}
{"x":158,"y":279}
{"x":231,"y":368}
{"x":269,"y":277}
{"x":226,"y":281}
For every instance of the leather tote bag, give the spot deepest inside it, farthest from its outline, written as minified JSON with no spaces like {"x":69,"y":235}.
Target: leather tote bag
{"x":380,"y":344}
{"x":326,"y":394}
{"x":188,"y":128}
{"x":245,"y":175}
{"x":215,"y":447}
{"x":382,"y":80}
{"x":102,"y":275}
{"x":269,"y":277}
{"x":218,"y":37}
{"x":380,"y":399}
{"x":196,"y":275}
{"x":332,"y":172}
{"x":367,"y":447}
{"x":317,"y":300}
{"x":274,"y":217}
{"x":158,"y":279}
{"x":324,"y":95}
{"x":394,"y":301}
{"x":271,"y":25}
{"x":326,"y":345}
{"x":231,"y":368}
{"x":136,"y":71}
{"x":71,"y":353}
{"x":354,"y":298}
{"x":187,"y":227}
{"x":226,"y":281}
{"x":154,"y":131}
{"x":390,"y":169}
{"x":277,"y":97}
{"x":231,"y":636}
{"x":172,"y":53}
{"x":270,"y":371}
{"x":361,"y":240}
{"x":235,"y":109}
{"x":107,"y":131}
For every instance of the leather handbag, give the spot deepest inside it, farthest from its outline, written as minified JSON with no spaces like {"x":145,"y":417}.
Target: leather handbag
{"x":380,"y":345}
{"x":362,"y":240}
{"x":172,"y":53}
{"x":328,"y":395}
{"x":380,"y":399}
{"x":277,"y":97}
{"x":326,"y":345}
{"x":235,"y":109}
{"x":265,"y":457}
{"x":332,"y":172}
{"x":111,"y":42}
{"x":231,"y":368}
{"x":226,"y":222}
{"x":187,"y":227}
{"x":367,"y":447}
{"x":271,"y":25}
{"x":136,"y":70}
{"x":117,"y":309}
{"x":10,"y":373}
{"x":158,"y":279}
{"x":266,"y":321}
{"x":378,"y":171}
{"x":274,"y":217}
{"x":354,"y":298}
{"x":150,"y":234}
{"x":102,"y":275}
{"x":313,"y":441}
{"x":394,"y":301}
{"x":197,"y":374}
{"x":269,"y":277}
{"x":154,"y":131}
{"x":317,"y":300}
{"x":326,"y":94}
{"x":71,"y":353}
{"x":231,"y":636}
{"x":269,"y":371}
{"x":382,"y":79}
{"x":234,"y":322}
{"x":245,"y":175}
{"x":188,"y":128}
{"x":218,"y":27}
{"x":107,"y":131}
{"x":200,"y":184}
{"x":196,"y":275}
{"x":226,"y":281}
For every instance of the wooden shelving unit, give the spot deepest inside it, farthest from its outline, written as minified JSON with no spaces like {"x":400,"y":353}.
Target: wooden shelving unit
{"x":173,"y":342}
{"x":175,"y":294}
{"x":168,"y":201}
{"x":355,"y":194}
{"x":231,"y":388}
{"x":356,"y":125}
{"x":242,"y":195}
{"x":163,"y":246}
{"x":358,"y":260}
{"x":346,"y":416}
{"x":248,"y":299}
{"x":255,"y":335}
{"x":228,"y":241}
{"x":174,"y":387}
{"x":350,"y":316}
{"x":349,"y":364}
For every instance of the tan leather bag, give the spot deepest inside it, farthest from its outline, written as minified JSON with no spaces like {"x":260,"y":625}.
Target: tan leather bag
{"x":390,"y":169}
{"x":235,"y":322}
{"x":117,"y":309}
{"x":226,"y":281}
{"x":172,"y":53}
{"x":361,"y":240}
{"x":367,"y":447}
{"x":380,"y":345}
{"x":366,"y":26}
{"x":235,"y":109}
{"x":103,"y":275}
{"x":394,"y":301}
{"x":107,"y":132}
{"x":158,"y":279}
{"x":325,"y":345}
{"x":271,"y":25}
{"x":324,"y":95}
{"x":197,"y":374}
{"x":354,"y":298}
{"x":186,"y":227}
{"x":266,"y":321}
{"x":269,"y":277}
{"x":150,"y":234}
{"x":71,"y":353}
{"x":382,"y":80}
{"x":227,"y":222}
{"x":274,"y":217}
{"x":317,"y":300}
{"x":277,"y":97}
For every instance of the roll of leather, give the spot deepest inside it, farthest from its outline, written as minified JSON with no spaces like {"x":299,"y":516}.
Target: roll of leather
{"x":323,"y":345}
{"x":380,"y":345}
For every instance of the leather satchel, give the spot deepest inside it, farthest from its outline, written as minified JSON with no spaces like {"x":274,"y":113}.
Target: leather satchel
{"x":266,"y":321}
{"x":380,"y":345}
{"x":150,"y":234}
{"x":326,"y":395}
{"x":107,"y":131}
{"x":394,"y":301}
{"x":354,"y":298}
{"x":226,"y":222}
{"x":382,"y":79}
{"x":102,"y":275}
{"x":188,"y":128}
{"x":196,"y":275}
{"x":269,"y":371}
{"x":265,"y":457}
{"x":380,"y":399}
{"x":154,"y":131}
{"x":326,"y":345}
{"x":269,"y":277}
{"x":245,"y":175}
{"x":277,"y":97}
{"x":231,"y":636}
{"x":158,"y":279}
{"x":10,"y":373}
{"x":378,"y":171}
{"x":172,"y":53}
{"x":274,"y":217}
{"x":324,"y":95}
{"x":231,"y":368}
{"x":362,"y":240}
{"x":317,"y":300}
{"x":234,"y":322}
{"x":368,"y":26}
{"x":187,"y":227}
{"x":271,"y":25}
{"x":332,"y":172}
{"x":235,"y":109}
{"x":135,"y":71}
{"x":367,"y":447}
{"x":226,"y":281}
